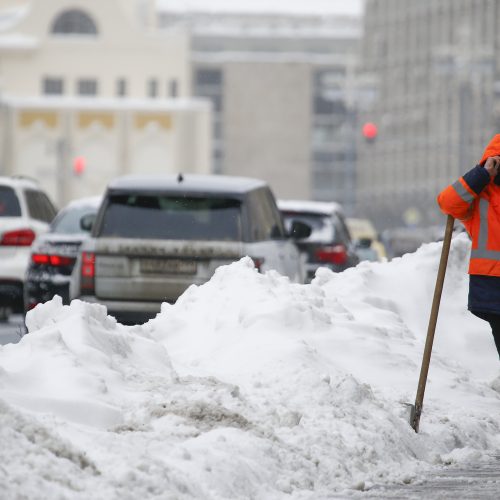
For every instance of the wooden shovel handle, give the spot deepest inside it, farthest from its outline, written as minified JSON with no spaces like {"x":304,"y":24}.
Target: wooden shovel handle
{"x":419,"y":400}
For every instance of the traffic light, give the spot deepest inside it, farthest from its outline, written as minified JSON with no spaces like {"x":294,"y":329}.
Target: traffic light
{"x":370,"y":131}
{"x":79,"y":164}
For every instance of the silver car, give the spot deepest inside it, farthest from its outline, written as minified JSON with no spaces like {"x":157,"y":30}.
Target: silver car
{"x":154,"y":236}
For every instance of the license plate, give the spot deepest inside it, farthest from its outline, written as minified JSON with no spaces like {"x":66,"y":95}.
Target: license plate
{"x":166,"y":266}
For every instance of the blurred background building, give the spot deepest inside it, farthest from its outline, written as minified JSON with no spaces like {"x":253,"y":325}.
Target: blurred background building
{"x":437,"y":106}
{"x":92,"y":85}
{"x":283,"y":84}
{"x":278,"y":90}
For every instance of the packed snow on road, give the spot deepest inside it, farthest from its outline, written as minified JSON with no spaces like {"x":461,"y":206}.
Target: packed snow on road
{"x":251,"y":387}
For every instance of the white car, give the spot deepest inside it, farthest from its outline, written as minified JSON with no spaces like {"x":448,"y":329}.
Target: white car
{"x":154,"y":236}
{"x":25,"y":213}
{"x":53,"y":254}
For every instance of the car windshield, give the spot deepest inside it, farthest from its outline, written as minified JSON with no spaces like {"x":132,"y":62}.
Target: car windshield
{"x":322,"y":228}
{"x":9,"y":204}
{"x":68,"y":221}
{"x":172,"y":217}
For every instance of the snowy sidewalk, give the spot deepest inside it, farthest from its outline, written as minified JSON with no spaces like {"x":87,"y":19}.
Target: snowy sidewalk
{"x":478,"y":481}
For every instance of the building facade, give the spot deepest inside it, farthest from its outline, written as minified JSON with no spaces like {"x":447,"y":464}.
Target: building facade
{"x":436,"y":66}
{"x":94,"y":80}
{"x":281,"y":87}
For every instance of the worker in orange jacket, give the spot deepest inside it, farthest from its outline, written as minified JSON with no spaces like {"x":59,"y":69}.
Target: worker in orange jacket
{"x":475,"y":200}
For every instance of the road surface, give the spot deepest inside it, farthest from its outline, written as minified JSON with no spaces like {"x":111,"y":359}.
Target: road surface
{"x":11,"y":331}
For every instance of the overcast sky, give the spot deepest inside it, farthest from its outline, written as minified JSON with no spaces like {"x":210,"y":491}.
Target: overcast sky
{"x":285,"y":6}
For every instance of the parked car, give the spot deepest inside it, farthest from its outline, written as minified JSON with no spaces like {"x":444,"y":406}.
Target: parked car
{"x":366,"y":240}
{"x":25,"y":213}
{"x":329,"y":243}
{"x":402,"y":240}
{"x":53,"y":254}
{"x":154,"y":236}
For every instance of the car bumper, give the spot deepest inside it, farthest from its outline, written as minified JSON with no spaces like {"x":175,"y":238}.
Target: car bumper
{"x":36,"y":292}
{"x":11,"y":294}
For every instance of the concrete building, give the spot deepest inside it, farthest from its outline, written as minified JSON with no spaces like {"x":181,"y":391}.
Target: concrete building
{"x":95,"y":80}
{"x":436,"y":64}
{"x":282,"y":87}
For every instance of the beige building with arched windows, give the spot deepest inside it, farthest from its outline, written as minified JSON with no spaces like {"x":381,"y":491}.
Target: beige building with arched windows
{"x":94,"y":79}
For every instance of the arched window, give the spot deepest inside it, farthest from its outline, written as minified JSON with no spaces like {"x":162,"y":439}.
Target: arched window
{"x":74,"y":22}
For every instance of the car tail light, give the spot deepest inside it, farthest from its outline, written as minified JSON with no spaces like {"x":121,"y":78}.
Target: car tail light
{"x":53,"y":260}
{"x":257,"y":262}
{"x":336,"y":254}
{"x":40,"y":258}
{"x":18,"y":238}
{"x":87,"y":272}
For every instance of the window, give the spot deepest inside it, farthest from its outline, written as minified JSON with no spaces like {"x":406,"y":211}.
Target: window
{"x":209,"y":77}
{"x":9,"y":204}
{"x":323,"y":106}
{"x":322,"y":229}
{"x":266,"y":221}
{"x":172,"y":88}
{"x":74,"y":22}
{"x":52,"y":86}
{"x":87,"y":87}
{"x":153,"y":87}
{"x":121,"y":87}
{"x":39,"y":206}
{"x":172,"y":217}
{"x":68,"y":221}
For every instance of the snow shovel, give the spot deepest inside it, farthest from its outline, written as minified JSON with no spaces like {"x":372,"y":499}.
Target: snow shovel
{"x":416,"y":410}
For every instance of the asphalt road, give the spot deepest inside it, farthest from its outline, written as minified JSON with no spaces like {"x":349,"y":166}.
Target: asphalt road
{"x":11,"y":331}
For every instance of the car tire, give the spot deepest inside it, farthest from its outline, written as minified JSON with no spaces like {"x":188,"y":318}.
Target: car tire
{"x":5,"y":312}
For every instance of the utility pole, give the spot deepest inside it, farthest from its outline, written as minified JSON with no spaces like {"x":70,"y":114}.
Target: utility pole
{"x":63,"y":150}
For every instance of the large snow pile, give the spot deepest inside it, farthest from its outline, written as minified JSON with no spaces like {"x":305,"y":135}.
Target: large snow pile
{"x":250,"y":387}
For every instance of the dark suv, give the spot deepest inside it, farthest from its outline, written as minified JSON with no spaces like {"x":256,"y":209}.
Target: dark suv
{"x":154,"y":236}
{"x":329,"y":243}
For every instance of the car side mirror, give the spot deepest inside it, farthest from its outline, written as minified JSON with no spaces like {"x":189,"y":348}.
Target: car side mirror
{"x":300,"y":230}
{"x":87,"y":221}
{"x":364,"y":243}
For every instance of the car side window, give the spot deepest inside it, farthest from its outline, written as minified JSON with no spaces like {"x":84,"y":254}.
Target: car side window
{"x":278,"y":228}
{"x":49,"y":208}
{"x":266,"y":221}
{"x":39,"y":206}
{"x":9,"y":203}
{"x":342,"y":230}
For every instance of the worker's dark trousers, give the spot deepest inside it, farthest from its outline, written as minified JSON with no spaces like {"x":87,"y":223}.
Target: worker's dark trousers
{"x":494,"y":321}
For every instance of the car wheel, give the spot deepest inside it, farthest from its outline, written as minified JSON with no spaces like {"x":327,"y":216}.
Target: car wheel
{"x":5,"y":312}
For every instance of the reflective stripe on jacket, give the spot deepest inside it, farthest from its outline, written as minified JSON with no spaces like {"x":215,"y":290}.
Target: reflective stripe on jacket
{"x":475,"y":200}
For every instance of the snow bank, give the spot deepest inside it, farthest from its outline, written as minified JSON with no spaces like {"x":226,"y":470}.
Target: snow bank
{"x":250,"y":387}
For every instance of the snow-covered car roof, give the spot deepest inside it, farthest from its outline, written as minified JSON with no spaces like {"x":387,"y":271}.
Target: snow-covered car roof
{"x":88,"y":201}
{"x":16,"y":181}
{"x":311,"y":207}
{"x":186,"y":182}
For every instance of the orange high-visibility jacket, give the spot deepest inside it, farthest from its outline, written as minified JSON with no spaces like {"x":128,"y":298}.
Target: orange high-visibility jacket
{"x":480,"y":214}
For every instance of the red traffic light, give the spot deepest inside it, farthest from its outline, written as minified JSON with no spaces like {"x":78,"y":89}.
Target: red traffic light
{"x":79,"y":165}
{"x":369,"y":131}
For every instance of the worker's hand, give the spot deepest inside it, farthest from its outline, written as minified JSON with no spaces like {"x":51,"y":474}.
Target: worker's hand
{"x":492,"y":165}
